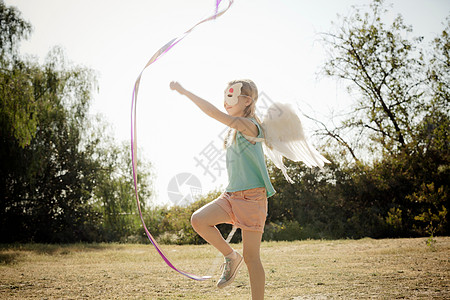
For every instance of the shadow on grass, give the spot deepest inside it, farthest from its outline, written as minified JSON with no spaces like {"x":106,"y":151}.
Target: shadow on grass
{"x":9,"y":253}
{"x":8,"y":258}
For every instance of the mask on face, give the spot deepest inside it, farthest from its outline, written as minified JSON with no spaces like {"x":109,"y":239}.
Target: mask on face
{"x":232,"y":94}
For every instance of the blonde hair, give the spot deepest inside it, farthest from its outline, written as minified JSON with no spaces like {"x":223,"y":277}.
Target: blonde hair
{"x":248,"y":89}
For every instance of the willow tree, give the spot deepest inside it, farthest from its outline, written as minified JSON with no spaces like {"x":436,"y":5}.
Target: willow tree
{"x":47,"y":169}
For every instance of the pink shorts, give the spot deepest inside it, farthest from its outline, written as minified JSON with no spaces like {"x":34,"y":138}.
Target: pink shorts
{"x":247,"y":209}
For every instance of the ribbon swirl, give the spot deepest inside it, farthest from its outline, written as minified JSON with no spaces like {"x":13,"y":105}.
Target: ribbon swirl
{"x":154,"y":58}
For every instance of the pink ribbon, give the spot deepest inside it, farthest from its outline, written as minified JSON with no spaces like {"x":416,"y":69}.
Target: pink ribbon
{"x":154,"y":58}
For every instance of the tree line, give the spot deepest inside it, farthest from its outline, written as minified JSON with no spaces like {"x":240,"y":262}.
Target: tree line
{"x":64,"y":179}
{"x":390,"y":151}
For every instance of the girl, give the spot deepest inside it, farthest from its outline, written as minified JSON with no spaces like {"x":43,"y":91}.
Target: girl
{"x":244,"y":202}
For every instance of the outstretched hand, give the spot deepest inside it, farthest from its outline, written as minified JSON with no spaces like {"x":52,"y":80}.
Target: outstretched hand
{"x":174,"y":85}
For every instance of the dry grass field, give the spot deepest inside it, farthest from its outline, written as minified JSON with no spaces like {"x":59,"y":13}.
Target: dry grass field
{"x":342,"y":269}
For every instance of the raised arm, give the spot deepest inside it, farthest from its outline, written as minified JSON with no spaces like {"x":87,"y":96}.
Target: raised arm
{"x":241,"y":124}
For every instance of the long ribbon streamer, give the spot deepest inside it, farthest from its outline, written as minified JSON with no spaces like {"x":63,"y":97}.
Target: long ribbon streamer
{"x":154,"y":58}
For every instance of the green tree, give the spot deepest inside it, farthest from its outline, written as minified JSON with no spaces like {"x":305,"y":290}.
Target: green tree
{"x":114,"y":192}
{"x":399,"y":122}
{"x":438,"y":75}
{"x":48,"y":171}
{"x":18,"y":115}
{"x":63,"y":179}
{"x":385,"y":69}
{"x":46,"y":186}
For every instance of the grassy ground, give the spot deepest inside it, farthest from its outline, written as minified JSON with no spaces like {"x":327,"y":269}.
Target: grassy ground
{"x":343,"y":269}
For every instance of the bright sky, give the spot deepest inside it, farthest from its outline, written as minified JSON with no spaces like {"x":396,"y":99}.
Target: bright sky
{"x":274,"y":43}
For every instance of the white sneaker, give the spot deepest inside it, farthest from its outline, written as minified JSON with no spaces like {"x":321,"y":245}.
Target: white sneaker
{"x":230,"y":269}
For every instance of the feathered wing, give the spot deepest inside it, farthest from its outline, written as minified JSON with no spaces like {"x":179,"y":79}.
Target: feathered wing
{"x":284,"y":136}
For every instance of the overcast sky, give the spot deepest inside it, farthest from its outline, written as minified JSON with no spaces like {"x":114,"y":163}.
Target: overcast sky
{"x":274,"y":43}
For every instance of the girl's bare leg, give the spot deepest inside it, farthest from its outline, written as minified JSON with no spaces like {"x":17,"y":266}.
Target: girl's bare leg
{"x":251,"y":249}
{"x":204,"y":222}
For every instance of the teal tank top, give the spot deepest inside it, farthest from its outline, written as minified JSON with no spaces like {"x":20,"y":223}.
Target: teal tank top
{"x":246,"y":165}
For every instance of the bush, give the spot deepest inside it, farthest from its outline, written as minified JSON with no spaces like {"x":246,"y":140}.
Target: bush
{"x":287,"y":231}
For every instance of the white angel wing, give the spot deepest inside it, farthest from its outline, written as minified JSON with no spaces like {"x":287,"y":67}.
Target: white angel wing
{"x":284,"y":136}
